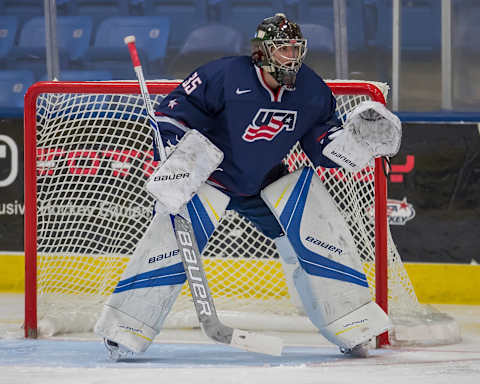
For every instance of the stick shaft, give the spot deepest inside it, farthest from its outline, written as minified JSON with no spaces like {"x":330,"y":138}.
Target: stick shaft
{"x":132,"y":48}
{"x":198,"y":283}
{"x":204,"y":306}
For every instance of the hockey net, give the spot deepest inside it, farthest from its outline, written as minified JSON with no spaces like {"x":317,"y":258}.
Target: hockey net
{"x":88,"y":153}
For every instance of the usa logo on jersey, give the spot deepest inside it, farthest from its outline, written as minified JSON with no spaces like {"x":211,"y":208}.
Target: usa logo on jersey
{"x":268,"y":123}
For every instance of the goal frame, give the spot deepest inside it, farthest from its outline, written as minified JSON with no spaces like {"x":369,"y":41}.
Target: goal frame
{"x":163,"y":87}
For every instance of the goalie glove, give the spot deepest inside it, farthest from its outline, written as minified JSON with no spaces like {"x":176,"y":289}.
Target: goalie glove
{"x":370,"y":131}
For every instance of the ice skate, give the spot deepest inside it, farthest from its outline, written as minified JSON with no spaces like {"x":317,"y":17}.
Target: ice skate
{"x":115,"y":351}
{"x":360,"y":350}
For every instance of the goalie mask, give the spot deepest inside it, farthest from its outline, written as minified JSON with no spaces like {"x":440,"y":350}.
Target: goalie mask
{"x":279,"y":48}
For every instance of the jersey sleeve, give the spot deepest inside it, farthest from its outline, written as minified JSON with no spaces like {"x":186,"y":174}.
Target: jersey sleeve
{"x":194,"y":104}
{"x":319,"y":136}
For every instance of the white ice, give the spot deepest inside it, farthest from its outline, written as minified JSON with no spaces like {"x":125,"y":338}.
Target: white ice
{"x":187,"y":357}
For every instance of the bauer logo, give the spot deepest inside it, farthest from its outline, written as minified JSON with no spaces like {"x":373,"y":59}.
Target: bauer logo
{"x":343,"y":159}
{"x":355,"y":323}
{"x":398,"y":211}
{"x":324,"y":244}
{"x":163,"y":256}
{"x":136,"y":330}
{"x":192,"y":266}
{"x":268,"y":123}
{"x":176,"y":176}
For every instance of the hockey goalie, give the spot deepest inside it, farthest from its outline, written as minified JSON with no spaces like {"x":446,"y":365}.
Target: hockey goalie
{"x":226,"y":129}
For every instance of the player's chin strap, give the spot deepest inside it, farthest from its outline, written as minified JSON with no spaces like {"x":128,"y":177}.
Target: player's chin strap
{"x":186,"y":238}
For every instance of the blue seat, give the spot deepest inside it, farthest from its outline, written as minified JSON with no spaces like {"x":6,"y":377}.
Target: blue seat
{"x":466,"y":27}
{"x":109,"y":50}
{"x":99,"y":10}
{"x":13,"y":85}
{"x":246,"y":15}
{"x":8,"y":32}
{"x":24,"y":10}
{"x":319,"y":37}
{"x":420,"y":26}
{"x":184,"y":16}
{"x":73,"y":38}
{"x":321,"y":51}
{"x":466,"y":48}
{"x":83,"y":75}
{"x":213,"y":38}
{"x":204,"y":44}
{"x":321,"y":12}
{"x":100,"y":7}
{"x":21,"y":7}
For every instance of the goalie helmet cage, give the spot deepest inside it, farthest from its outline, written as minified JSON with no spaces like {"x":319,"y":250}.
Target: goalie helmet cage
{"x":87,"y":156}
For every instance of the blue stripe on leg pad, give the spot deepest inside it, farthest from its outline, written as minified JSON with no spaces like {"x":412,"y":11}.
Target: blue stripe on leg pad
{"x":313,"y":263}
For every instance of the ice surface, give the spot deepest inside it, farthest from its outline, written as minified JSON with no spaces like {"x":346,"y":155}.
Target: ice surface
{"x":82,"y":359}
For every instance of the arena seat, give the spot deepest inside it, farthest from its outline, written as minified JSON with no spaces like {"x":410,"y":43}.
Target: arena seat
{"x":421,"y":26}
{"x":321,"y":53}
{"x":8,"y":31}
{"x":245,"y":15}
{"x":184,"y":16}
{"x":100,"y":7}
{"x":465,"y":26}
{"x":13,"y":85}
{"x":25,"y":8}
{"x":204,"y":44}
{"x":73,"y":38}
{"x":83,"y":75}
{"x":321,"y":12}
{"x":109,"y":51}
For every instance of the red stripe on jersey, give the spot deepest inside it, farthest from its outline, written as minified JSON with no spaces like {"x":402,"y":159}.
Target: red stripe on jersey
{"x":321,"y":136}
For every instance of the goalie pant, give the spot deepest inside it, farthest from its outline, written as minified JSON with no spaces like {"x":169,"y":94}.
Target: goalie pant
{"x":320,"y":263}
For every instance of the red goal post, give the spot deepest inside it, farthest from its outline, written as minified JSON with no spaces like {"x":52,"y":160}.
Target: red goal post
{"x":32,"y":120}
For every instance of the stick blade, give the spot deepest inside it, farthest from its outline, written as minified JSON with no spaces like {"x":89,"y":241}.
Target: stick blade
{"x":256,"y":342}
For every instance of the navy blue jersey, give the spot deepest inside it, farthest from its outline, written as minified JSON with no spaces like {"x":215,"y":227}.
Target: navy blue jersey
{"x":230,"y":103}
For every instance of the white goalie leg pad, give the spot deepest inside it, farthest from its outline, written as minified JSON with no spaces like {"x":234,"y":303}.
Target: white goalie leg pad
{"x":205,"y":211}
{"x":136,"y":310}
{"x":291,"y":269}
{"x":358,"y":327}
{"x":176,"y":180}
{"x":370,"y":131}
{"x":328,"y":276}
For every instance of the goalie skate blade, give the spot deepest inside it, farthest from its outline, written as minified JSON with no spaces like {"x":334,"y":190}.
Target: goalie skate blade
{"x":255,"y":342}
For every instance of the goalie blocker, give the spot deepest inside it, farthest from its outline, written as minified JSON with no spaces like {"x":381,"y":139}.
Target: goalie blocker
{"x":321,"y":260}
{"x":178,"y":178}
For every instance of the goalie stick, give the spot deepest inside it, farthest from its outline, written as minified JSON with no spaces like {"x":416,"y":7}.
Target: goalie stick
{"x":191,"y":258}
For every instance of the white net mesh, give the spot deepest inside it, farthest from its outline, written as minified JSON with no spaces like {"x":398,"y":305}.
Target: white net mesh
{"x":94,"y":154}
